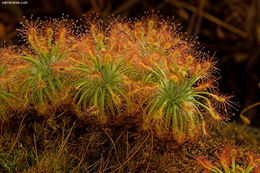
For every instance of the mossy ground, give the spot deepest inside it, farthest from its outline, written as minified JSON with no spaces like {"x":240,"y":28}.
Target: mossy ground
{"x":64,"y":144}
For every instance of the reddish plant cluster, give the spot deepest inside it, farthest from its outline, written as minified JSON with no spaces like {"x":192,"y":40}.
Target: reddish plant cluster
{"x":142,"y":69}
{"x":229,"y":162}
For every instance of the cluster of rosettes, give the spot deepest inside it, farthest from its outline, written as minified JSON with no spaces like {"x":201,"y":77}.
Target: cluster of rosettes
{"x":230,"y":161}
{"x":142,"y":69}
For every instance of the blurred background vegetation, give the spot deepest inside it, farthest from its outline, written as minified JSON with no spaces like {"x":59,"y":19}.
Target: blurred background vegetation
{"x":228,"y":29}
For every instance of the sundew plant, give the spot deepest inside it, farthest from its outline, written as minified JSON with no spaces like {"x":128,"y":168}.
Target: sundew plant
{"x":8,"y":67}
{"x":44,"y":83}
{"x":128,"y":68}
{"x":229,"y":162}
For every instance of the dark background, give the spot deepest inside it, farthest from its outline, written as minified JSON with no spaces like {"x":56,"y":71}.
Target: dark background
{"x":228,"y":28}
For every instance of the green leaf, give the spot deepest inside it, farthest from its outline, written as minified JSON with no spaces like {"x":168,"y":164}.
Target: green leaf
{"x":174,"y":116}
{"x":2,"y":70}
{"x":33,"y":61}
{"x":102,"y":100}
{"x":96,"y":96}
{"x":81,"y":69}
{"x":83,"y":96}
